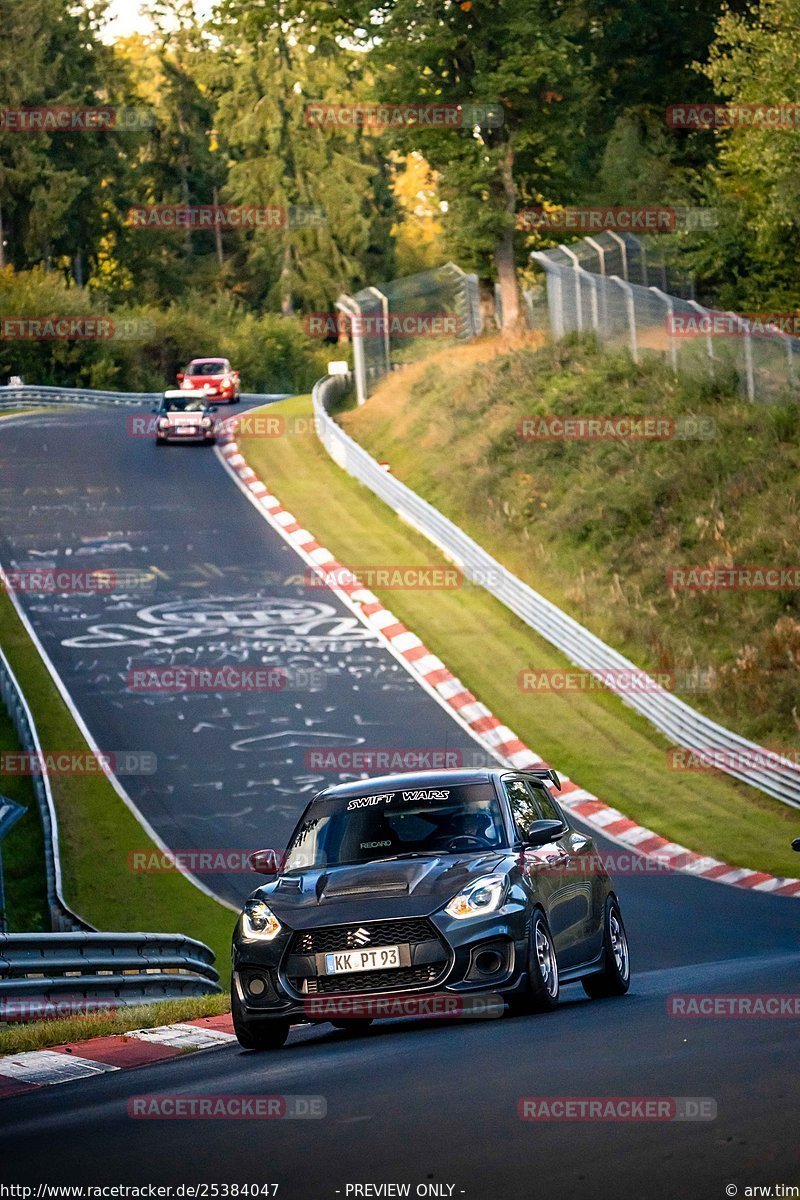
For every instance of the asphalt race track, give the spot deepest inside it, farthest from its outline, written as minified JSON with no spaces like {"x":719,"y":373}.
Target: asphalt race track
{"x":215,"y":587}
{"x":417,"y":1102}
{"x":408,"y":1102}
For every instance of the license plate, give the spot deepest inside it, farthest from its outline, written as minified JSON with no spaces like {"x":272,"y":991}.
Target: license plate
{"x":376,"y":959}
{"x":187,"y":429}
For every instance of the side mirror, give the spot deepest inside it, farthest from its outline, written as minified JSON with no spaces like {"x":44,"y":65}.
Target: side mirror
{"x":539,"y":833}
{"x":796,"y":844}
{"x":212,"y":408}
{"x":265,"y":862}
{"x":180,"y":377}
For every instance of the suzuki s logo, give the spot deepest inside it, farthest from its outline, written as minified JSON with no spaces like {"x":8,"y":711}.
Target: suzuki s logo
{"x":361,"y":936}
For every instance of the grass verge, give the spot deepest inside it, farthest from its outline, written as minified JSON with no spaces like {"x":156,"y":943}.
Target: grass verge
{"x":596,"y":525}
{"x":22,"y":848}
{"x":593,"y":738}
{"x":16,"y":1039}
{"x":98,"y":832}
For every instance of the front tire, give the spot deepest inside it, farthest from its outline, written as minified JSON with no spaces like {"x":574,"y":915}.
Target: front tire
{"x":615,"y":978}
{"x":261,"y":1035}
{"x":542,"y":985}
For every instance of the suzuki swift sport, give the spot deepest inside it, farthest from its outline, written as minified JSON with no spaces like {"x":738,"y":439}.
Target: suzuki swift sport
{"x":440,"y":881}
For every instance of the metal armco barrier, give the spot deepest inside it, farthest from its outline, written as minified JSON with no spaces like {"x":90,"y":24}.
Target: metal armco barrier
{"x":682,"y":724}
{"x":61,"y":915}
{"x":37,"y":397}
{"x":85,"y":971}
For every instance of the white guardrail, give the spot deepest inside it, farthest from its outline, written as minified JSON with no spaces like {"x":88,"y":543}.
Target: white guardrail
{"x":682,"y":724}
{"x":12,"y":699}
{"x":34,"y":396}
{"x":54,"y":974}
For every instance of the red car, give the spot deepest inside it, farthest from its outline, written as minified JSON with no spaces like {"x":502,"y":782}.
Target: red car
{"x":214,"y":376}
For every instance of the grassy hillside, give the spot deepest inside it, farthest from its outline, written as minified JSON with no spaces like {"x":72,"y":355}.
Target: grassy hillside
{"x":595,"y":525}
{"x":594,"y":738}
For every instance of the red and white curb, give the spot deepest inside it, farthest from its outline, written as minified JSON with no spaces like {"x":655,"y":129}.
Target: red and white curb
{"x":80,"y":1060}
{"x":497,"y":738}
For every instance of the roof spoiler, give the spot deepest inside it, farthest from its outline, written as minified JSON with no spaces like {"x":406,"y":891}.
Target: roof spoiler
{"x":545,"y":773}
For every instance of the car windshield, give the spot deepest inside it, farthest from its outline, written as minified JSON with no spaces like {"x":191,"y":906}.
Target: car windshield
{"x":184,"y":404}
{"x":215,"y":367}
{"x":405,"y":822}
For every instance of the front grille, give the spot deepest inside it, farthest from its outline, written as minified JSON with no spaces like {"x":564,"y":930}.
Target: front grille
{"x":381,"y":933}
{"x":373,"y":981}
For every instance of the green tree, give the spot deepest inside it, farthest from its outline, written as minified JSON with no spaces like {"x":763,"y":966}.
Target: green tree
{"x":513,"y":59}
{"x":752,"y":263}
{"x":51,"y":182}
{"x":277,"y":59}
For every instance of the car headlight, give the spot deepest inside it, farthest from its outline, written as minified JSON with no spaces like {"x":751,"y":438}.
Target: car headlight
{"x":482,"y":895}
{"x":163,"y":423}
{"x":187,"y":385}
{"x":259,"y":921}
{"x":206,"y":422}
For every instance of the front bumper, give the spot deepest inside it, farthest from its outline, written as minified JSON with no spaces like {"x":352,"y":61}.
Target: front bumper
{"x":286,"y":978}
{"x":215,"y":395}
{"x":172,"y":435}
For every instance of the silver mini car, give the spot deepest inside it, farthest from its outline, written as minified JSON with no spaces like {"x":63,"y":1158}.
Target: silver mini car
{"x":185,"y":417}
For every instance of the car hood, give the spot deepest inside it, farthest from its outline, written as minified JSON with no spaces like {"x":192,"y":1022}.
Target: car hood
{"x":372,"y":891}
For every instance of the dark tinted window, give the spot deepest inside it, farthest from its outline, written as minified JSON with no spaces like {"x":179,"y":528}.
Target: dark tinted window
{"x":546,"y":805}
{"x":521,"y":801}
{"x":187,"y":403}
{"x":362,"y":828}
{"x":530,"y":803}
{"x":215,"y":367}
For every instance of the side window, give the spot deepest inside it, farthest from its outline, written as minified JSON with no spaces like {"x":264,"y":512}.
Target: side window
{"x":522,"y":806}
{"x":548,"y":809}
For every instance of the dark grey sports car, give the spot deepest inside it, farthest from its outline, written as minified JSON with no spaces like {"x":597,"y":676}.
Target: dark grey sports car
{"x":447,"y":882}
